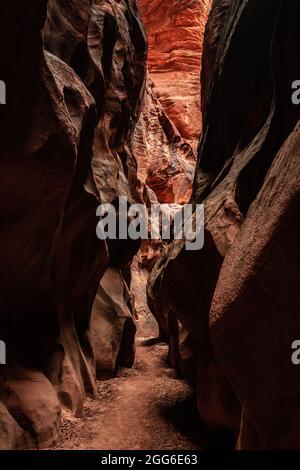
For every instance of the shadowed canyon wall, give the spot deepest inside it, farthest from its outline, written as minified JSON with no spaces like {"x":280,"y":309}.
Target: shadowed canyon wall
{"x":237,"y":297}
{"x":72,"y":151}
{"x":51,"y":262}
{"x":107,"y":48}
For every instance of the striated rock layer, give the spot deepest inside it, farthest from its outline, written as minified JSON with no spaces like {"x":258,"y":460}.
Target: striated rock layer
{"x":165,"y":161}
{"x":175,"y":31}
{"x":238,"y":297}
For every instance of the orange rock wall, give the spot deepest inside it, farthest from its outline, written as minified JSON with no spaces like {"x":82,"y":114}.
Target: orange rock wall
{"x":175,"y":30}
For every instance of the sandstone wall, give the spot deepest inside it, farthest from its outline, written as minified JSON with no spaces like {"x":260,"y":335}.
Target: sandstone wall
{"x":71,"y":151}
{"x":237,"y":296}
{"x":175,"y":31}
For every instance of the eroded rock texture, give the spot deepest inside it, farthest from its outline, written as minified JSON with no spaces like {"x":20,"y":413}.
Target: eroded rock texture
{"x":70,"y":152}
{"x":244,"y":320}
{"x":111,"y":62}
{"x":175,"y":31}
{"x":165,"y":161}
{"x":107,"y":49}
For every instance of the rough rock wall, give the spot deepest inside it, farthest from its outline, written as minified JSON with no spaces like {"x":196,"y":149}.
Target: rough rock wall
{"x":243,"y":320}
{"x":165,"y":161}
{"x":53,"y":179}
{"x":175,"y":33}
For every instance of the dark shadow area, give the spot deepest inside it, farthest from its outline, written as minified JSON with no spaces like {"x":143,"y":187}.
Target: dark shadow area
{"x":184,"y":416}
{"x":150,"y":341}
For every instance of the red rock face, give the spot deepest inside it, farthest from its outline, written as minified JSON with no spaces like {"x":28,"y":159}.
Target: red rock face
{"x":165,"y":161}
{"x":166,"y":136}
{"x":175,"y":31}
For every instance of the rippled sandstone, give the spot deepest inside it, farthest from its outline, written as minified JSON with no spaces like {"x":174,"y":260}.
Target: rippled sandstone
{"x":175,"y":30}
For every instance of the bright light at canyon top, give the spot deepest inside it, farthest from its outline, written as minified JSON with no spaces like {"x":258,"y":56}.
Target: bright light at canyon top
{"x":175,"y":31}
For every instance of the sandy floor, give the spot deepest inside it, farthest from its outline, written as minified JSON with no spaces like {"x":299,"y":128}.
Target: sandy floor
{"x":146,"y":407}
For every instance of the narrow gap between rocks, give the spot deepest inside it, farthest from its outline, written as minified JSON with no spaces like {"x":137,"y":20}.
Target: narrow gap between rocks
{"x":146,"y":407}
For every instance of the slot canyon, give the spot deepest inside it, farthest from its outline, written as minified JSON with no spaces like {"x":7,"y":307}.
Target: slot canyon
{"x":141,"y":344}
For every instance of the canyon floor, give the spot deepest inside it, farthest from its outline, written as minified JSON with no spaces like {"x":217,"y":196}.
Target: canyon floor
{"x":143,"y":408}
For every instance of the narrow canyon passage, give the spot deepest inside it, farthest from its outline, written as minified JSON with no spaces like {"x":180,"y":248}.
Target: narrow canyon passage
{"x":146,"y":407}
{"x":124,"y":122}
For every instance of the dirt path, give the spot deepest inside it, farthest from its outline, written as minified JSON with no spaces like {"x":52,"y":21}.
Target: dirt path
{"x":146,"y":407}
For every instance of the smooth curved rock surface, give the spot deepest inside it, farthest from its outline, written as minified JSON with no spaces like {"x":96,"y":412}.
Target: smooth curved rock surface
{"x":47,"y":213}
{"x":52,"y":261}
{"x":112,"y":66}
{"x":257,"y":302}
{"x":112,"y":325}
